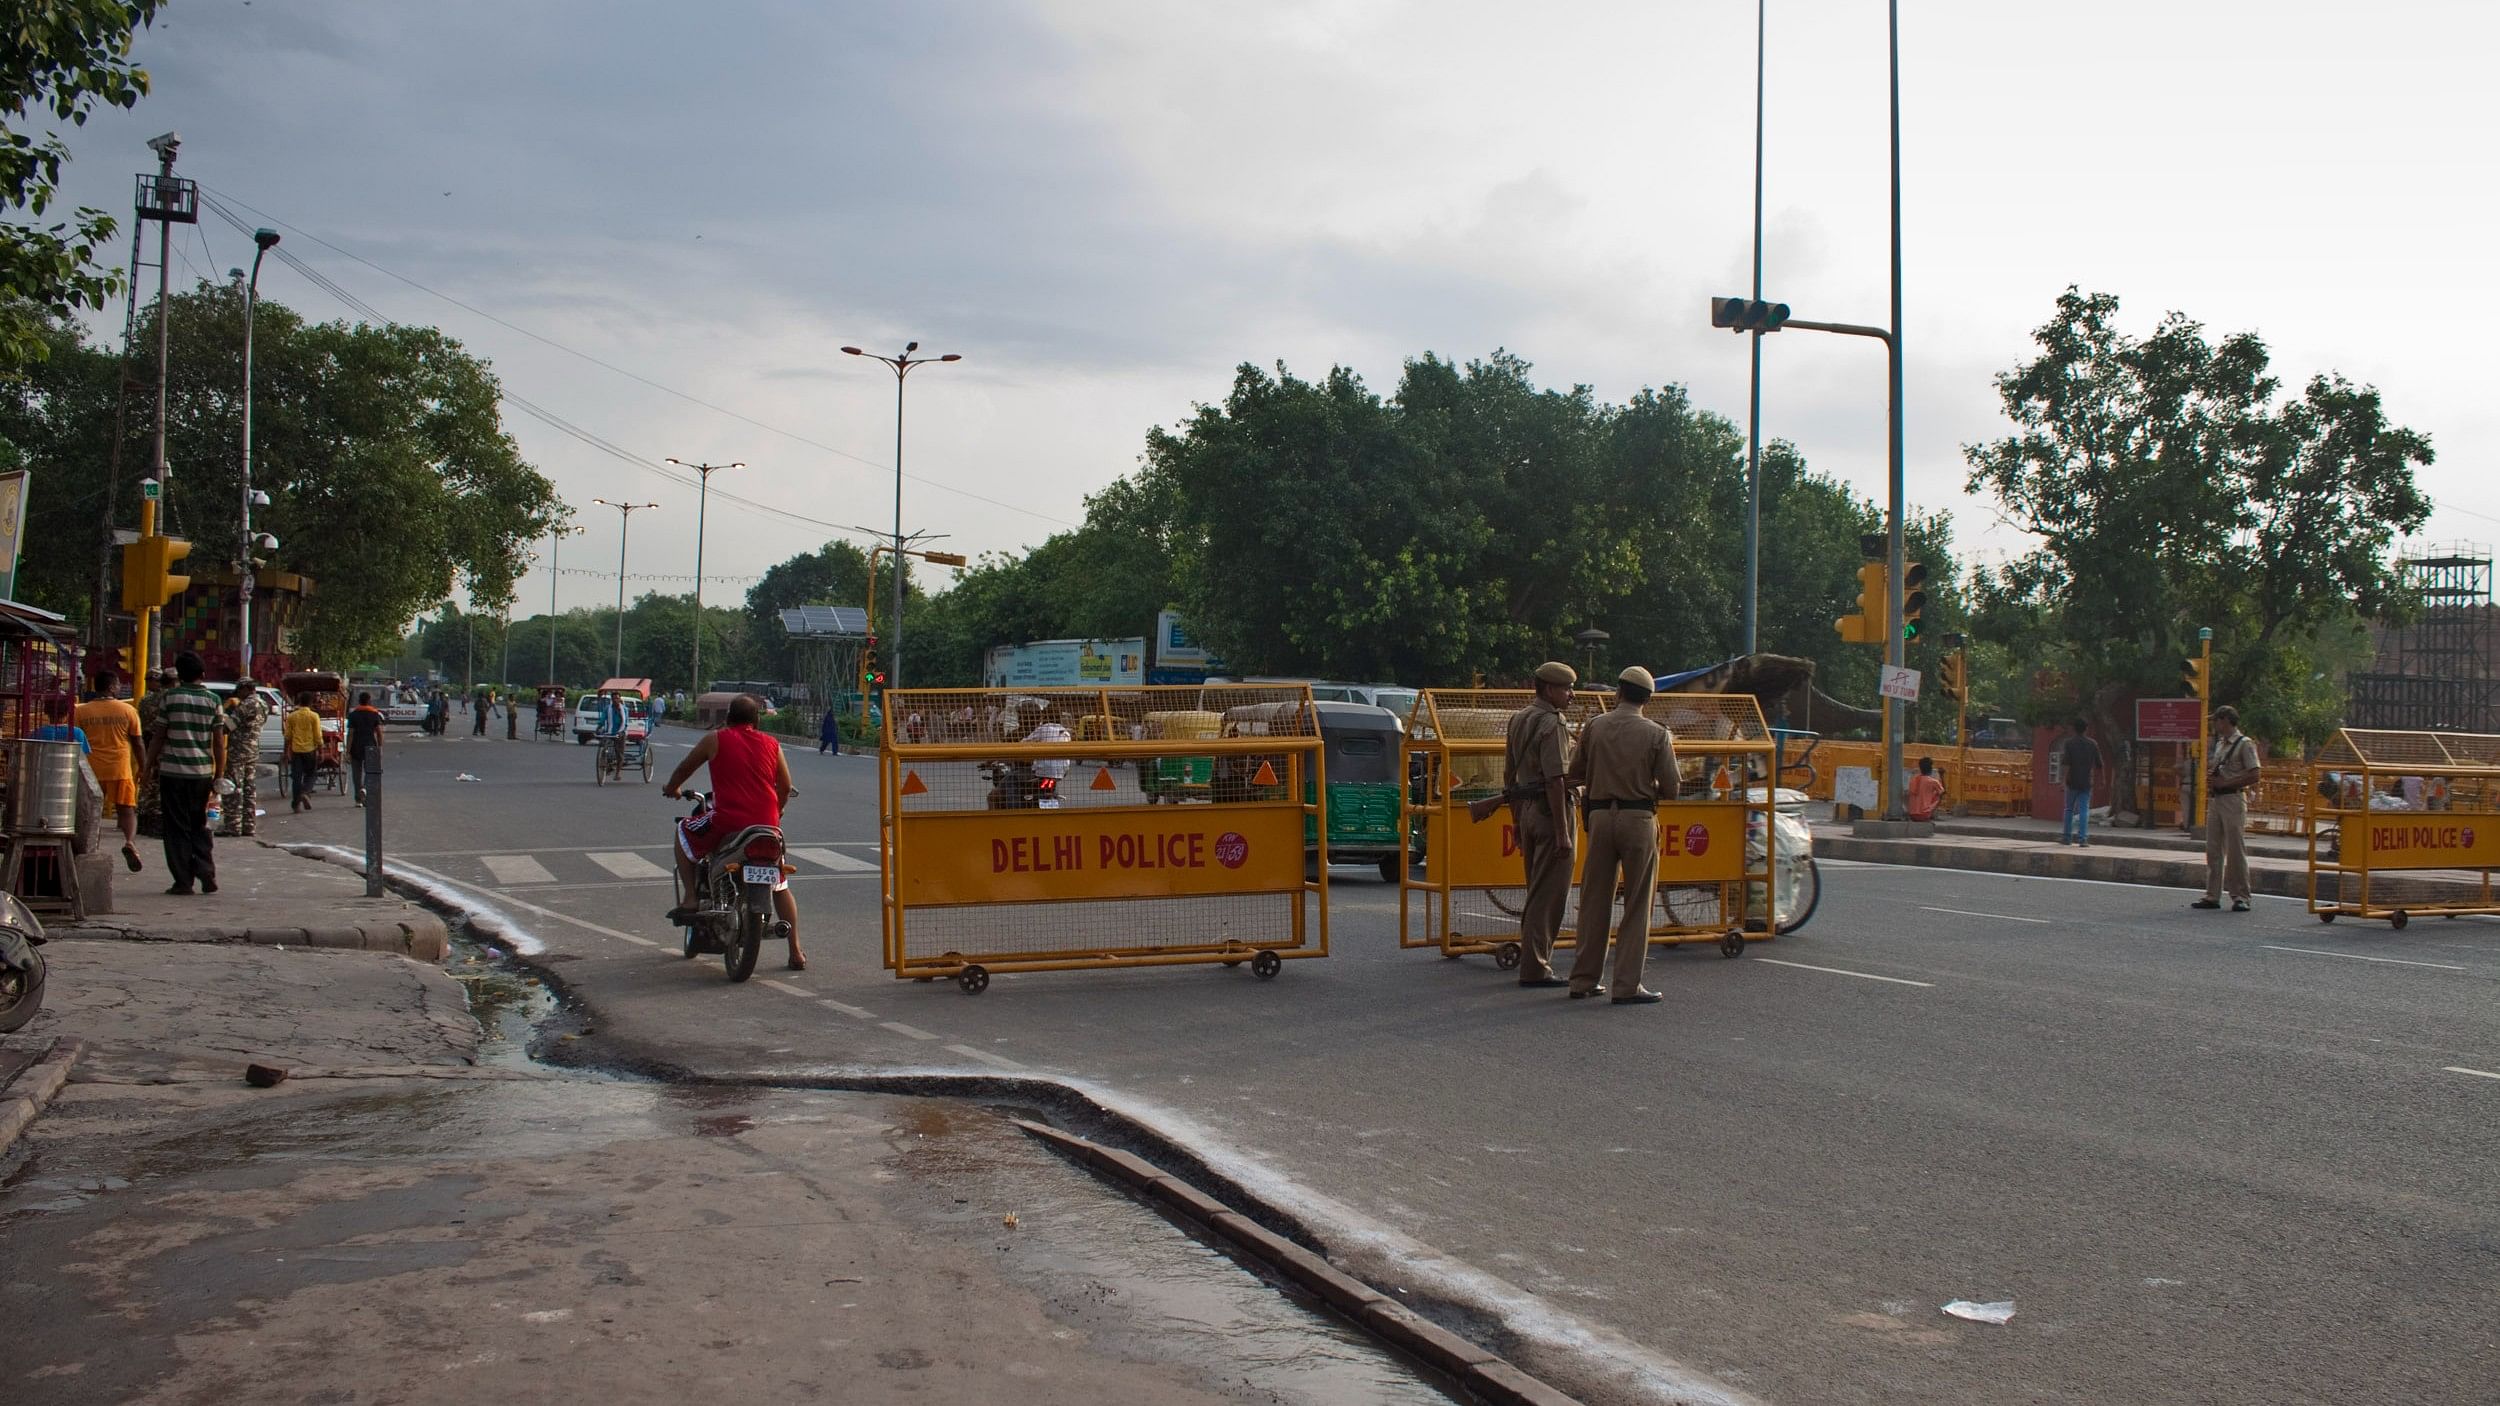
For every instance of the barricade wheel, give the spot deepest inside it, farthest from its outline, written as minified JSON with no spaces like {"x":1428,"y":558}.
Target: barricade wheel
{"x":1507,"y":956}
{"x":2398,"y":919}
{"x":1266,"y":965}
{"x":2326,"y":917}
{"x":973,"y":979}
{"x":1732,"y":944}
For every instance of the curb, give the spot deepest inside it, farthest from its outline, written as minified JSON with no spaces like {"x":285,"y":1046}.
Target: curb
{"x":1482,"y":1373}
{"x":31,"y":1091}
{"x":421,"y":936}
{"x":2107,"y":866}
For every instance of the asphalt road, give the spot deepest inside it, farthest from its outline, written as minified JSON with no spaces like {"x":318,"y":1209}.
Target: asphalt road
{"x":2212,"y":1158}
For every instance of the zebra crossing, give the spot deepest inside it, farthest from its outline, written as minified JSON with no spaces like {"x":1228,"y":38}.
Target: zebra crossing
{"x":594,"y":868}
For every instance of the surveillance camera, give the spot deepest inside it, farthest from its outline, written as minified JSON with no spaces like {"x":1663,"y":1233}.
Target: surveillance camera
{"x":166,"y":144}
{"x":265,"y":542}
{"x":259,"y":499}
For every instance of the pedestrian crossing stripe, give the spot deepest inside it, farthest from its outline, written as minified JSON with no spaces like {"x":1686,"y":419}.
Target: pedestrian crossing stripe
{"x":913,"y":785}
{"x":1103,"y":781}
{"x":1266,"y":775}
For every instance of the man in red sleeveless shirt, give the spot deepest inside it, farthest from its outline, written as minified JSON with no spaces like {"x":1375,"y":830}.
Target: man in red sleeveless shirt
{"x":750,"y":785}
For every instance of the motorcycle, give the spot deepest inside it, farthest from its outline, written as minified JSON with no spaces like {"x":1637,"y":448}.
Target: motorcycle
{"x":21,"y":966}
{"x":1016,"y":786}
{"x":732,"y":906}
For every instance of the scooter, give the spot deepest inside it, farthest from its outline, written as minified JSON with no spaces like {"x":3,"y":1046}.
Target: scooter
{"x":1015,"y":786}
{"x":731,"y":910}
{"x":21,"y":966}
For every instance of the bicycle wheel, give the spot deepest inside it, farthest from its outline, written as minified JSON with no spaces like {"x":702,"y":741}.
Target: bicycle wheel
{"x":1800,"y":905}
{"x":646,"y":761}
{"x":1690,"y":905}
{"x":599,"y":765}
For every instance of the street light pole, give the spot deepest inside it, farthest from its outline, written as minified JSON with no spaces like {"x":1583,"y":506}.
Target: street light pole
{"x":702,"y":498}
{"x":624,"y":529}
{"x":264,"y":240}
{"x":1753,"y":417}
{"x":902,"y":366}
{"x":1895,"y":647}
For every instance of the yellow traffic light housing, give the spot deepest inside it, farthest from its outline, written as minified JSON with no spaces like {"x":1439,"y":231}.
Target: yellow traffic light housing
{"x":1867,"y":626}
{"x":2196,"y":676}
{"x":1913,"y":599}
{"x":1953,"y":676}
{"x":148,"y":579}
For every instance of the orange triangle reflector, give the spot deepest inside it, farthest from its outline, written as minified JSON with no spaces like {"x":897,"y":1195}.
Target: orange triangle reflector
{"x":913,"y":785}
{"x":1103,"y":781}
{"x":1266,"y":775}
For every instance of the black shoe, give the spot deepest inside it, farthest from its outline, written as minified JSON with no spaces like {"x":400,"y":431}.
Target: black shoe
{"x":2239,"y":905}
{"x":1544,"y":982}
{"x":1584,"y":995}
{"x":208,"y":885}
{"x":180,"y":891}
{"x":1643,"y":997}
{"x":2204,"y":903}
{"x":681,"y":917}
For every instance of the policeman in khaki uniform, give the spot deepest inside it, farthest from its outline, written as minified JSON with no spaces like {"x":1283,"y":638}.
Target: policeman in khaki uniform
{"x":1625,"y":766}
{"x":1532,"y":782}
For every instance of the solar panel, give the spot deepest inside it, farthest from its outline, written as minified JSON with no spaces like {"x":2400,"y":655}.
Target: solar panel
{"x":825,"y":621}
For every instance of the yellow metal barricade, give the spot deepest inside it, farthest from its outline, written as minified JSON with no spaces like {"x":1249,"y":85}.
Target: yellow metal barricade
{"x":1711,"y":888}
{"x":1016,"y":837}
{"x":2392,"y":809}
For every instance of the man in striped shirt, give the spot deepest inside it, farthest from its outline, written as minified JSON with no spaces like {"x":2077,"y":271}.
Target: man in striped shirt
{"x":185,"y":752}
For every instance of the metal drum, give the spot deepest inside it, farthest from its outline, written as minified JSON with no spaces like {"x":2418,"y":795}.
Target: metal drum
{"x":43,"y":787}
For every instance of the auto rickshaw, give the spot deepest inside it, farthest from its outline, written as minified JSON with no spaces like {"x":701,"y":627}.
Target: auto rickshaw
{"x":554,"y":700}
{"x":1176,"y":779}
{"x":1359,"y":746}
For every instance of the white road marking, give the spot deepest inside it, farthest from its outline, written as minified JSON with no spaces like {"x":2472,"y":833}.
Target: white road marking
{"x":847,"y":1009}
{"x":1966,"y":913}
{"x":509,"y":901}
{"x":627,"y":866}
{"x":840,"y":863}
{"x":1004,"y":1062}
{"x":2451,"y":1069}
{"x":913,"y":1031}
{"x":1843,"y":971}
{"x":2357,"y":957}
{"x":799,"y":991}
{"x":516,"y":869}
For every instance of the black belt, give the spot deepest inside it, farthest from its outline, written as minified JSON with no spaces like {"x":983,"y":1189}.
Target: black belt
{"x":2226,"y":790}
{"x":1650,"y":806}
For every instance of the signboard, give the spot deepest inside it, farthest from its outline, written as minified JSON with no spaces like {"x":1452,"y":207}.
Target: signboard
{"x":1995,"y":786}
{"x":2399,"y":841}
{"x":13,"y":529}
{"x":2167,"y":719}
{"x":1076,"y":664}
{"x":1699,"y":842}
{"x":1855,"y":786}
{"x":1899,"y":683}
{"x":1156,"y":852}
{"x":1175,"y":648}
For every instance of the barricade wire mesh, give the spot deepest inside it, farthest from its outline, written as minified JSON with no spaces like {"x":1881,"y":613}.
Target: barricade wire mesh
{"x":1082,"y":931}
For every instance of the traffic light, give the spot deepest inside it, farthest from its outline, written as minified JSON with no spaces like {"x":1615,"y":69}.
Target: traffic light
{"x":1913,"y":600}
{"x":1867,"y":626}
{"x":1953,"y":676}
{"x":1747,"y":314}
{"x":148,"y":579}
{"x":953,"y":559}
{"x":2196,"y":677}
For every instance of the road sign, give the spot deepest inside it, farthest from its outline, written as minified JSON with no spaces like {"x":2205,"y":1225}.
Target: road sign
{"x":149,"y":489}
{"x":1900,"y":683}
{"x":1855,"y":786}
{"x":2167,"y":719}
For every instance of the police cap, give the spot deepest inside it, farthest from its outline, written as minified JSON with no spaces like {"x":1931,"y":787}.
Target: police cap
{"x":1555,"y":671}
{"x":1639,"y":678}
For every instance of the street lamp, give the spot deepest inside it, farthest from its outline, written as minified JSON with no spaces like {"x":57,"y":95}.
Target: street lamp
{"x":902,"y":366}
{"x":556,"y":534}
{"x":702,"y":498}
{"x":625,"y":525}
{"x":264,"y":240}
{"x":1590,"y":639}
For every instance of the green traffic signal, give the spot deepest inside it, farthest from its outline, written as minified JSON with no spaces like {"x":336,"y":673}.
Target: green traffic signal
{"x":1913,"y":600}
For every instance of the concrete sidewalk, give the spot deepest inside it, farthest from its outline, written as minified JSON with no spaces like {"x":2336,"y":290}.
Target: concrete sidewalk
{"x":419,"y":1214}
{"x":269,"y":897}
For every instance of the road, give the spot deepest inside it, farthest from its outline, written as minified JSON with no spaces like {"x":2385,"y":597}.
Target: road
{"x":2212,"y":1158}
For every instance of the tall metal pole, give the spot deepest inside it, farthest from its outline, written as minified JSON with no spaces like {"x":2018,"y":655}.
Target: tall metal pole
{"x":555,"y":573}
{"x":703,"y":497}
{"x":624,"y":531}
{"x":265,"y":240}
{"x":901,"y":366}
{"x":1895,"y":647}
{"x":150,"y":648}
{"x":1753,"y":417}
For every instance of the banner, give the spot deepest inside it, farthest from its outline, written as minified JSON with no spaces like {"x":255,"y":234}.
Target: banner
{"x":2397,"y":841}
{"x":13,"y":486}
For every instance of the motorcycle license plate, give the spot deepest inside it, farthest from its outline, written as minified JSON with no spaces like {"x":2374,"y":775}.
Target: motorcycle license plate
{"x":761,"y":873}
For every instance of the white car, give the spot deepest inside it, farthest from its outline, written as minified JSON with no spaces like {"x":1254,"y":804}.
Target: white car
{"x":586,"y":718}
{"x":273,"y":730}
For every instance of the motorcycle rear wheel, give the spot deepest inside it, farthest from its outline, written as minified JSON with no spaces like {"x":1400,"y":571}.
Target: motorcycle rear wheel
{"x":739,"y":952}
{"x":21,"y":992}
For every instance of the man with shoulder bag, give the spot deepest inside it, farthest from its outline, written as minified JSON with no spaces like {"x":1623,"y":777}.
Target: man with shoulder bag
{"x":2230,"y":769}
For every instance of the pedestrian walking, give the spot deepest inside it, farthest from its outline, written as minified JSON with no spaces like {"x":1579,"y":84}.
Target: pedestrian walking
{"x":114,"y":749}
{"x":185,"y":755}
{"x":1926,"y":791}
{"x":485,"y":705}
{"x":151,"y":716}
{"x":245,"y":713}
{"x":1533,"y":749}
{"x":57,"y":726}
{"x":437,"y":713}
{"x":303,"y":752}
{"x":1625,"y":766}
{"x":2078,"y":757}
{"x":364,"y":734}
{"x":829,"y":733}
{"x":2230,"y":769}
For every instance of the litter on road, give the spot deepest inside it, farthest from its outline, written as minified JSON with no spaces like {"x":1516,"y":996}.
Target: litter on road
{"x":1995,"y":1313}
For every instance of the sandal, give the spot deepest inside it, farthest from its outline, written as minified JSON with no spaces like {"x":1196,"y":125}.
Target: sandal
{"x":130,"y":856}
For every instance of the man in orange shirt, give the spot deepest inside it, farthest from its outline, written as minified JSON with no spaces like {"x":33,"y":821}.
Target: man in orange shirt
{"x":1926,"y":791}
{"x":113,"y":743}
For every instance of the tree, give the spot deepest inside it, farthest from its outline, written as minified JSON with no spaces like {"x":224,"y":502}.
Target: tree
{"x":2171,"y":489}
{"x":382,"y":449}
{"x":58,"y":58}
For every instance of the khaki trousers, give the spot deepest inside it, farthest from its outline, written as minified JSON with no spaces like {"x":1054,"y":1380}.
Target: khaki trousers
{"x":1622,"y":844}
{"x":2226,"y":846}
{"x":1549,"y":889}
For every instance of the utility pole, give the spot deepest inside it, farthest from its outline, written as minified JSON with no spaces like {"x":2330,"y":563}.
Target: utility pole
{"x":901,"y":366}
{"x":625,"y":526}
{"x":1753,"y":416}
{"x":264,"y":241}
{"x":168,"y":201}
{"x":1896,"y":648}
{"x":703,"y":496}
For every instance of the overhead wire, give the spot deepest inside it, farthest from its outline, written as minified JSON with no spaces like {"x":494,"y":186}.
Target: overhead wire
{"x":688,"y":397}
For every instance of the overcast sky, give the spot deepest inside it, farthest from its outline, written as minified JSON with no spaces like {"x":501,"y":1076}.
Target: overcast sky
{"x":1106,"y":205}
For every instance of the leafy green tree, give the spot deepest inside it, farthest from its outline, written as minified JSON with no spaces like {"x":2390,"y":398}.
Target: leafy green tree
{"x":58,"y":60}
{"x":2171,"y":486}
